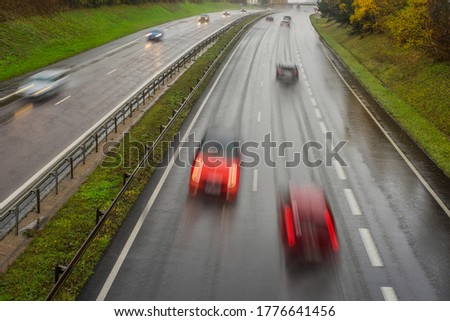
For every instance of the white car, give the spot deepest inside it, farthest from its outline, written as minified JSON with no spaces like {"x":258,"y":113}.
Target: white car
{"x":44,"y":84}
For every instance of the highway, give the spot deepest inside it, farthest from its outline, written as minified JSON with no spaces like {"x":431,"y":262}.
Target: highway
{"x":394,"y":235}
{"x":32,"y":134}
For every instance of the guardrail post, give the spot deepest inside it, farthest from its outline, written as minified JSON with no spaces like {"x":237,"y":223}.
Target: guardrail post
{"x":131,"y":110}
{"x":125,"y":177}
{"x":59,"y":269}
{"x":84,"y":153}
{"x":71,"y":167}
{"x":106,"y":132}
{"x":161,"y":128}
{"x":98,"y":214}
{"x":115,"y":124}
{"x":16,"y":211}
{"x":37,"y":192}
{"x":123,"y":116}
{"x":96,"y":142}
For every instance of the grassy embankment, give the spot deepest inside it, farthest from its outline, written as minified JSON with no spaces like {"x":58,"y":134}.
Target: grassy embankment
{"x":31,"y":276}
{"x":32,"y":43}
{"x":417,"y":94}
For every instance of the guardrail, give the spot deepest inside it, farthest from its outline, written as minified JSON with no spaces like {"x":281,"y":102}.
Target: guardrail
{"x":63,"y":272}
{"x":29,"y":198}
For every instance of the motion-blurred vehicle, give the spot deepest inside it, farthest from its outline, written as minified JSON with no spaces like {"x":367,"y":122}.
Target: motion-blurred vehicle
{"x":204,"y":18}
{"x":155,"y":35}
{"x":44,"y":84}
{"x":287,"y":73}
{"x":287,"y":18}
{"x":243,"y":10}
{"x":216,"y":167}
{"x":269,"y":9}
{"x":298,"y":7}
{"x":226,"y":13}
{"x":285,"y":22}
{"x":269,"y":18}
{"x":307,"y":226}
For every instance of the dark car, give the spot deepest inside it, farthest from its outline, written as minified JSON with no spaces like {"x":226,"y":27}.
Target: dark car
{"x":287,"y":18}
{"x":216,"y":167}
{"x":243,"y":10}
{"x":204,"y":18}
{"x":269,"y":18}
{"x":155,"y":35}
{"x":44,"y":84}
{"x":287,"y":73}
{"x":307,"y":226}
{"x":226,"y":13}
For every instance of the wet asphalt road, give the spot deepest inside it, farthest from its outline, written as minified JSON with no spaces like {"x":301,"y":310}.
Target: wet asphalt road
{"x":394,"y":237}
{"x":31,"y":135}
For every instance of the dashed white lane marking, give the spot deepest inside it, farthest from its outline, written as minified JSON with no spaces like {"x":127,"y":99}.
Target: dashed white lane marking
{"x":143,"y":54}
{"x":255,"y":180}
{"x":323,"y":128}
{"x":307,"y":83}
{"x":313,"y":101}
{"x":302,"y":70}
{"x":371,"y":249}
{"x":304,"y":76}
{"x":301,"y":65}
{"x":388,"y":293}
{"x":318,"y":114}
{"x":123,"y":254}
{"x":109,"y":73}
{"x":259,"y":116}
{"x":351,"y":200}
{"x":339,"y":170}
{"x":309,"y":91}
{"x":59,"y":102}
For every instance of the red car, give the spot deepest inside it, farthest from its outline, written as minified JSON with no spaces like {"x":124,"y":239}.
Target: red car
{"x":216,"y":168}
{"x":287,"y":73}
{"x":308,"y":229}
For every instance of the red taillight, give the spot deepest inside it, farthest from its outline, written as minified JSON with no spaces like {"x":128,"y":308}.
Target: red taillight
{"x":233,"y":175}
{"x":331,"y":231}
{"x":197,"y":170}
{"x":290,"y":230}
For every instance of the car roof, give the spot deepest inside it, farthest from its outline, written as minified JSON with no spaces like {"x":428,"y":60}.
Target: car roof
{"x":49,"y":73}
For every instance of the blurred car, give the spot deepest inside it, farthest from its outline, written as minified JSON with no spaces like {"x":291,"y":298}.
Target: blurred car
{"x":285,"y":22}
{"x":243,"y":10}
{"x":287,"y":18}
{"x":44,"y":84}
{"x":226,"y":13}
{"x":269,"y":18}
{"x":204,"y":18}
{"x":287,"y":73}
{"x":155,"y":35}
{"x":216,"y":167}
{"x":307,"y":225}
{"x":268,"y":8}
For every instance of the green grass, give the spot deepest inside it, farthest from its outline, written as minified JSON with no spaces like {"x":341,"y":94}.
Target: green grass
{"x":35,"y":42}
{"x":31,"y":276}
{"x":417,"y":94}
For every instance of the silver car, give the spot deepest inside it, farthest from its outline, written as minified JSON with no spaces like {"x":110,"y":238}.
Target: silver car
{"x":44,"y":84}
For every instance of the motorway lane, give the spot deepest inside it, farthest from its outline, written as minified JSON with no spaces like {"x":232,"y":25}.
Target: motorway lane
{"x":31,"y":135}
{"x":196,"y":249}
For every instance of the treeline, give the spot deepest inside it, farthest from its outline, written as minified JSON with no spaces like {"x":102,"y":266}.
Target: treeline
{"x":13,"y":9}
{"x":421,"y":24}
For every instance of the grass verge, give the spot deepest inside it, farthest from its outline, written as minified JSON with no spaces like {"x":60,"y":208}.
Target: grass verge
{"x":31,"y":276}
{"x":35,"y":42}
{"x":415,"y":90}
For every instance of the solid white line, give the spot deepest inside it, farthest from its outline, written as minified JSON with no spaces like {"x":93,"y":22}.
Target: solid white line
{"x":259,"y":116}
{"x":393,"y":143}
{"x":323,"y":128}
{"x":351,"y":200}
{"x":318,"y":114}
{"x":109,"y":73}
{"x":313,"y":101}
{"x":112,"y":275}
{"x":56,"y":104}
{"x":388,"y":293}
{"x":17,"y":92}
{"x":371,"y":249}
{"x":255,"y":180}
{"x":339,"y":170}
